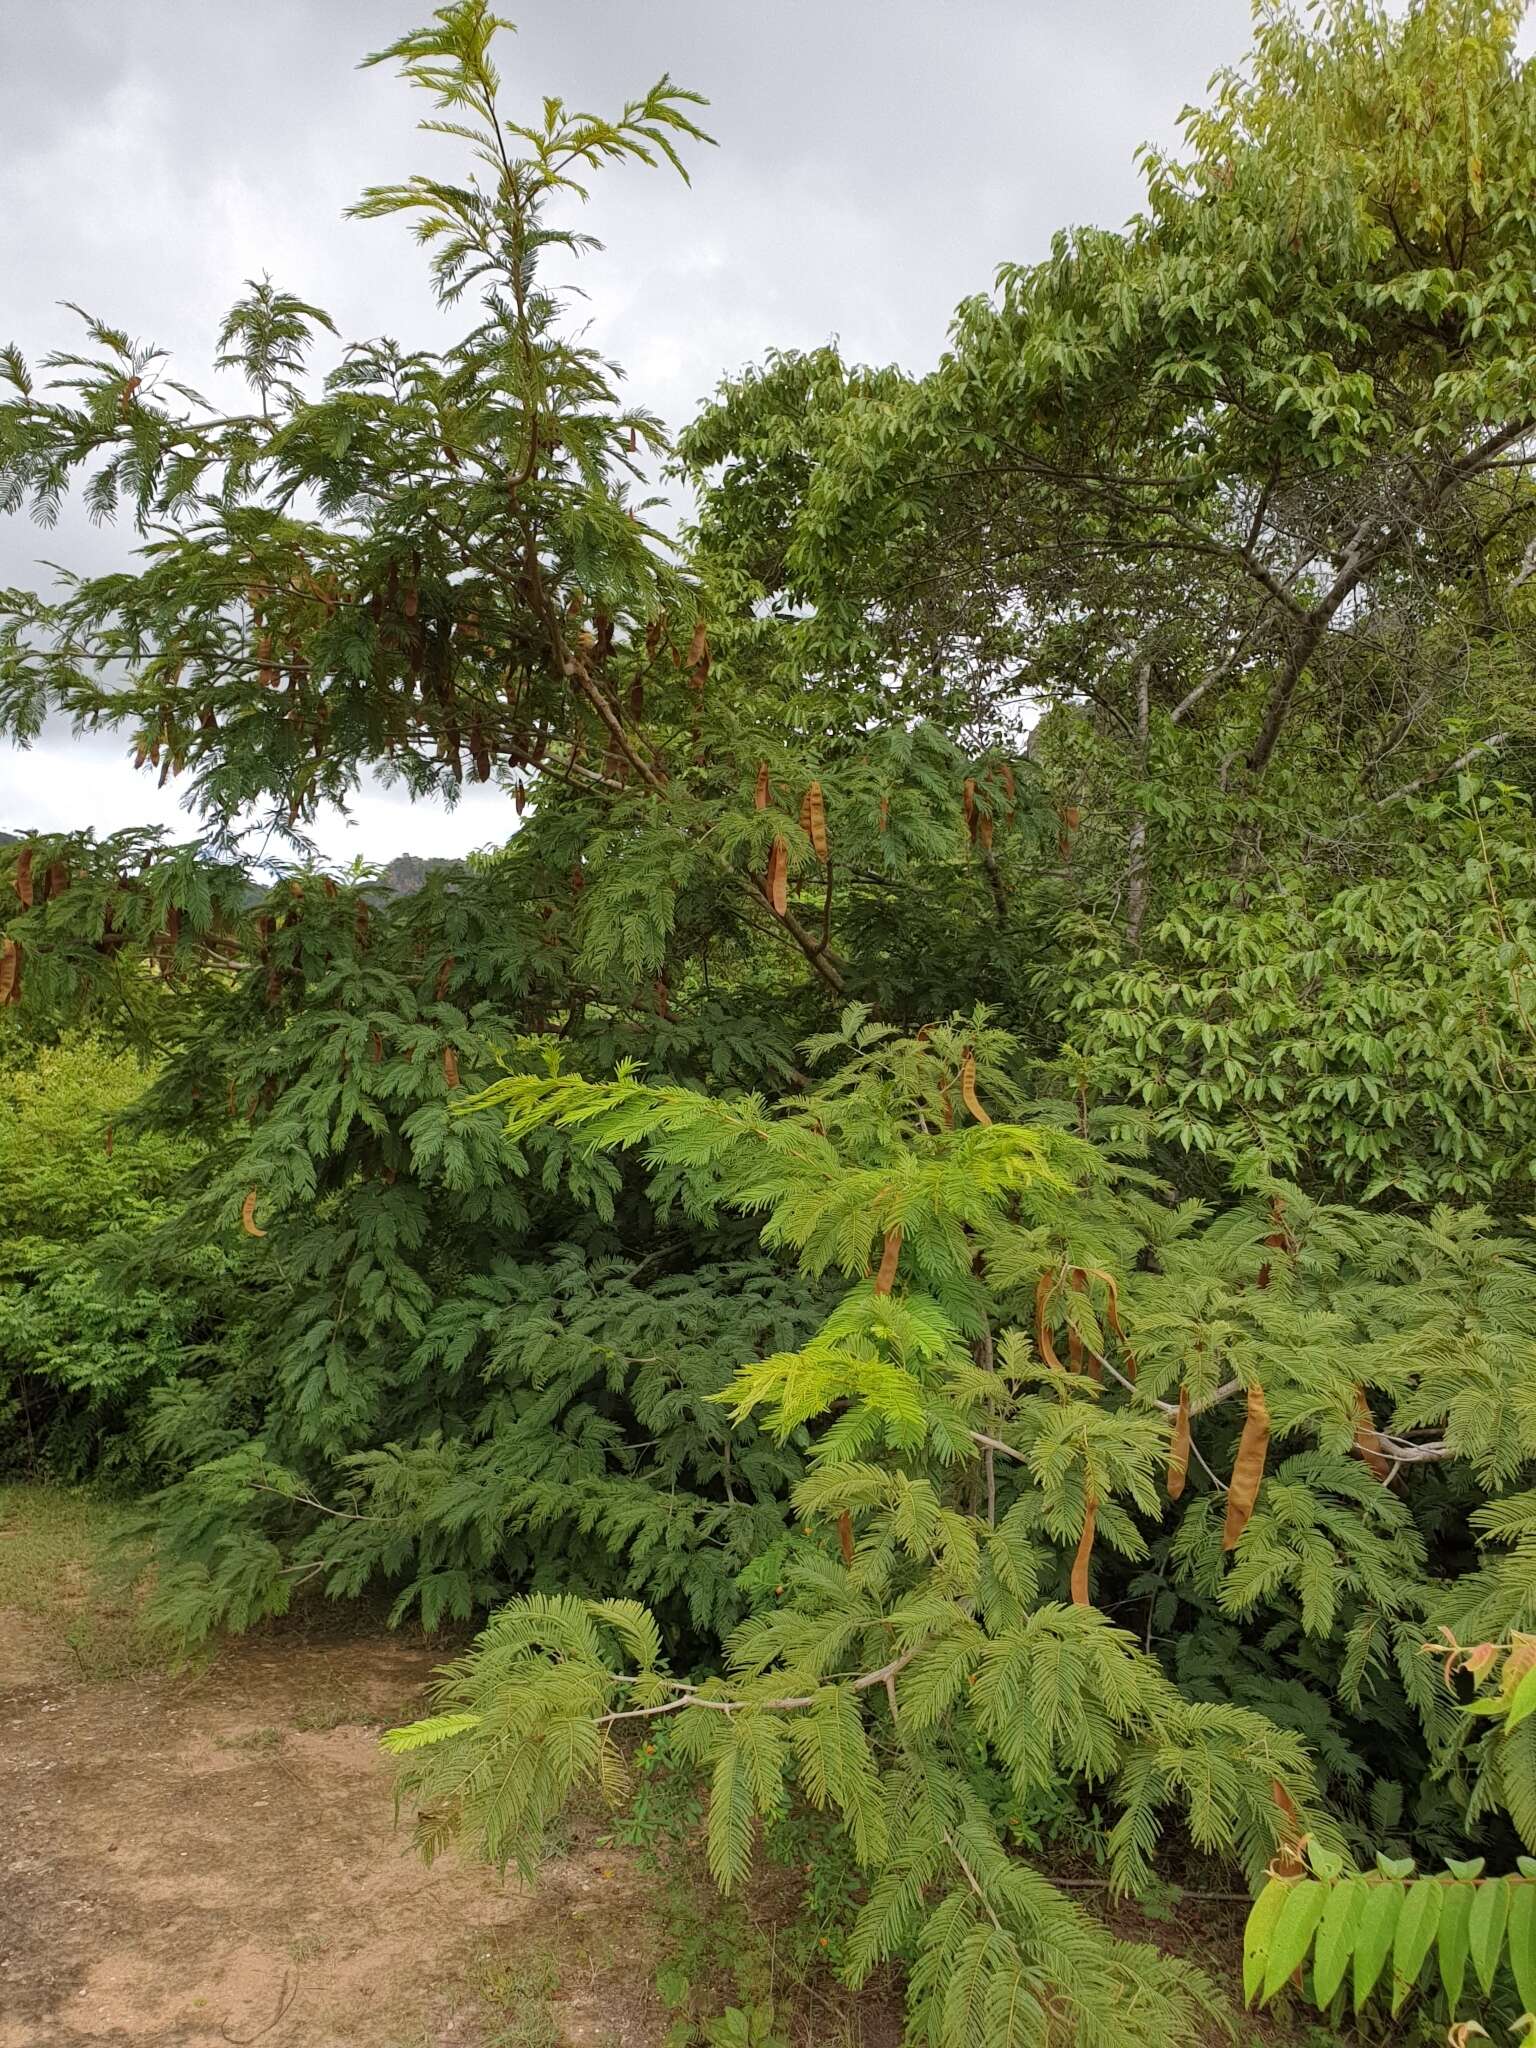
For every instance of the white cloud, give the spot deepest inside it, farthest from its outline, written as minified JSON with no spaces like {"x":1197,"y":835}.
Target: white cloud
{"x":878,"y":159}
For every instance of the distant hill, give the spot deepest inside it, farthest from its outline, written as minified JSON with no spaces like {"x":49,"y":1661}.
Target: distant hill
{"x":403,"y":876}
{"x":407,"y":871}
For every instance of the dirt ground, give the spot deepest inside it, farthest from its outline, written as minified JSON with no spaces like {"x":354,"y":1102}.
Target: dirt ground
{"x":210,"y":1859}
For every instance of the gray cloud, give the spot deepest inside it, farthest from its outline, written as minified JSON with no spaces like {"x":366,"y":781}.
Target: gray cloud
{"x":878,"y":159}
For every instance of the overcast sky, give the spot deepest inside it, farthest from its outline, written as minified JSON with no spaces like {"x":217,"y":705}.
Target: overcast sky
{"x":877,"y":160}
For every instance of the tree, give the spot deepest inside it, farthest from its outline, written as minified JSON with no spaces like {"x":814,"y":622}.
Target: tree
{"x":977,"y":1268}
{"x":87,"y":1332}
{"x":914,"y":1633}
{"x":437,"y":566}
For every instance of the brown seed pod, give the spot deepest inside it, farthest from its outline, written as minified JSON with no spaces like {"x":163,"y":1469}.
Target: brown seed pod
{"x":698,"y":656}
{"x":1247,"y":1469}
{"x":1113,"y":1317}
{"x":763,"y":788}
{"x":1178,"y":1449}
{"x":23,"y":879}
{"x":1287,"y":1860}
{"x":248,"y":1216}
{"x":813,"y":820}
{"x":1367,"y":1441}
{"x":885,"y":1279}
{"x":450,"y":1066}
{"x":778,"y":877}
{"x":968,"y":1093}
{"x":1044,"y":1342}
{"x":845,"y":1538}
{"x":10,"y":972}
{"x":1078,"y":1280}
{"x":1084,"y":1553}
{"x":444,"y":973}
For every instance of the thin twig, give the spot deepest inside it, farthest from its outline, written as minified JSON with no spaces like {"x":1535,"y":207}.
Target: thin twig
{"x":972,"y":1880}
{"x":691,"y":1698}
{"x":285,"y":1999}
{"x":1492,"y":745}
{"x":308,"y":1501}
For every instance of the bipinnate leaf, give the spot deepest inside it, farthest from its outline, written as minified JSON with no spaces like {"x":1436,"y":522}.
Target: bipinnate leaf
{"x":422,"y":1734}
{"x":730,"y":1815}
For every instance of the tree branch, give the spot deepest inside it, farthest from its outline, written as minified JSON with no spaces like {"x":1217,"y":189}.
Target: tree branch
{"x":1492,"y":745}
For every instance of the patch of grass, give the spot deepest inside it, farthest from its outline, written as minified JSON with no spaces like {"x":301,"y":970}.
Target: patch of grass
{"x":320,"y":1716}
{"x":756,"y":1970}
{"x":262,"y":1740}
{"x":520,"y":1986}
{"x":57,"y":1567}
{"x":334,"y":1704}
{"x":52,"y":1540}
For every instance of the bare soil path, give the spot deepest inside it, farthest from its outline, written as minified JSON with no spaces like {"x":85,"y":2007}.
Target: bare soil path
{"x":210,"y":1859}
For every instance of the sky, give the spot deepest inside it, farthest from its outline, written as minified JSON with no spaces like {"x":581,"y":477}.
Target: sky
{"x":877,"y":160}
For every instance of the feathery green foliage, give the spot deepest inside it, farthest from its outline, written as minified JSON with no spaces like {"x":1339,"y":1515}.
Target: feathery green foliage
{"x":946,"y":1213}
